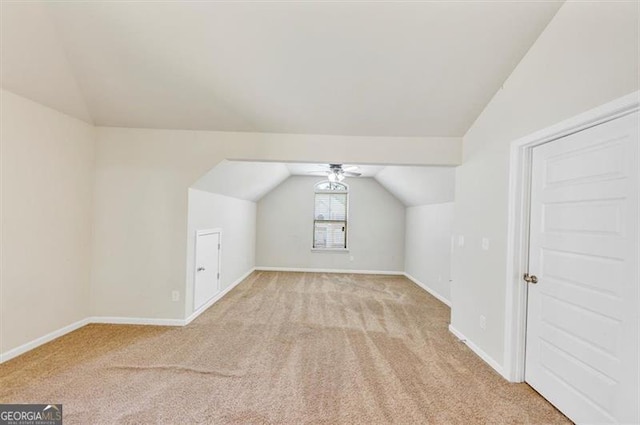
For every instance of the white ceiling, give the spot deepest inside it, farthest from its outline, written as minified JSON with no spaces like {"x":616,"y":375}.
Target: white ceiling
{"x":313,"y":67}
{"x":34,"y":62}
{"x":244,"y":180}
{"x":419,"y":185}
{"x":252,"y":180}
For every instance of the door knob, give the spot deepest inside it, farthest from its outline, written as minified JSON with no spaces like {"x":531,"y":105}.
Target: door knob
{"x":530,"y":278}
{"x":200,"y":269}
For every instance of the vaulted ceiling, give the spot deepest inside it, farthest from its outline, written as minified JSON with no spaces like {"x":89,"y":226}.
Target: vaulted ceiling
{"x":251,"y":181}
{"x":312,"y":67}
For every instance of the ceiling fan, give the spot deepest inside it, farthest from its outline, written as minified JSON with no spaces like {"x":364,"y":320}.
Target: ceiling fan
{"x":336,"y":172}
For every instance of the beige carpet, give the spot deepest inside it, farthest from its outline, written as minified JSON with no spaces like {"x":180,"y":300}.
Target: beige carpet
{"x":280,"y":348}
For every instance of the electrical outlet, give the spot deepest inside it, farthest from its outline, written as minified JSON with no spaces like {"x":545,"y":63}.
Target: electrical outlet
{"x":460,"y":240}
{"x":351,"y":258}
{"x":175,"y":295}
{"x":483,"y":322}
{"x":485,"y":244}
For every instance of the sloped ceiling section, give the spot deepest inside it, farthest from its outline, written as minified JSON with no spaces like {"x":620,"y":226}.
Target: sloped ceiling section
{"x":244,"y":180}
{"x":34,"y":61}
{"x":416,"y":69}
{"x":252,"y":180}
{"x":419,"y":185}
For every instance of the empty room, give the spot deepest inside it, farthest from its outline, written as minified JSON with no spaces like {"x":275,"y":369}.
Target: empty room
{"x":319,"y":212}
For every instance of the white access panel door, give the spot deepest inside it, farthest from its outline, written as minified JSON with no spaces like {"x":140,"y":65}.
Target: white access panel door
{"x":207,"y":273}
{"x":582,"y":318}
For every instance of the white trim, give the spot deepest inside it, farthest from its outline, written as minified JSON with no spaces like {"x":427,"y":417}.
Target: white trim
{"x":217,"y":297}
{"x":330,"y":249}
{"x":165,"y":322}
{"x":136,"y":321}
{"x":309,"y":270}
{"x":428,"y":289}
{"x":204,"y":232}
{"x":15,"y":352}
{"x":117,"y":321}
{"x":518,"y":217}
{"x":346,"y":218}
{"x":477,"y":350}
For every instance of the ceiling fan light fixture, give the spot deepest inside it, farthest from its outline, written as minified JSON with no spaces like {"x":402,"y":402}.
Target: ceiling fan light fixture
{"x":335,"y":175}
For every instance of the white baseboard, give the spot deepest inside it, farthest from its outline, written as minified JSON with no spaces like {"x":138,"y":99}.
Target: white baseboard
{"x":309,"y":270}
{"x":136,"y":321}
{"x":15,"y":352}
{"x":182,"y":322}
{"x":217,"y":297}
{"x":479,"y":352}
{"x":428,"y":289}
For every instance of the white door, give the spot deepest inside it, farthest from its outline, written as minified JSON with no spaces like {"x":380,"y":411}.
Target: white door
{"x":207,"y":273}
{"x":582,"y":318}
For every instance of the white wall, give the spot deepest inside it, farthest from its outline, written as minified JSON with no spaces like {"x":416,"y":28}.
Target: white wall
{"x":47,"y":165}
{"x":375,"y":228}
{"x":141,"y":198}
{"x":237,"y":219}
{"x":587,"y":56}
{"x":428,"y":246}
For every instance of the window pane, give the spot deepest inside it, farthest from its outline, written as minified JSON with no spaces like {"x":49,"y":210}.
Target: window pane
{"x":331,"y":206}
{"x":326,"y":185}
{"x":330,"y":213}
{"x":329,"y":235}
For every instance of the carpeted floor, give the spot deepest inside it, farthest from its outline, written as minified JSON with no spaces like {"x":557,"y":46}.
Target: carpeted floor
{"x":280,"y":348}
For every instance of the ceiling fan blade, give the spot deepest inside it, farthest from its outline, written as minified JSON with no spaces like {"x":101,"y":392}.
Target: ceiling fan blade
{"x":326,"y":169}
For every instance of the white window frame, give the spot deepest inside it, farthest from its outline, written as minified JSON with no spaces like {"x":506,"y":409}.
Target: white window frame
{"x":346,"y":219}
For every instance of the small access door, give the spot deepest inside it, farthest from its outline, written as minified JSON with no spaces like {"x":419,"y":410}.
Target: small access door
{"x":207,"y":273}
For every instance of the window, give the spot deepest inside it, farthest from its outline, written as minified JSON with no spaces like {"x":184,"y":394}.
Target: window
{"x":330,"y":216}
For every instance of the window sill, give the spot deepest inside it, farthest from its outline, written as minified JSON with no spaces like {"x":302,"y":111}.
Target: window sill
{"x":329,"y":249}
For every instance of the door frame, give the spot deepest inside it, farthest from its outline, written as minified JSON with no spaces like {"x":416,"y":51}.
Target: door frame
{"x":515,"y":326}
{"x":204,"y":232}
